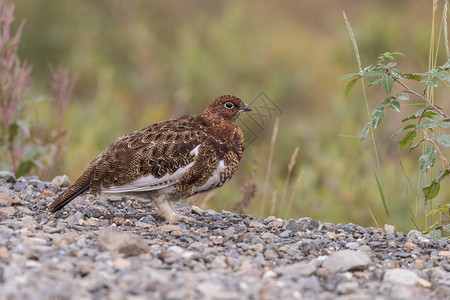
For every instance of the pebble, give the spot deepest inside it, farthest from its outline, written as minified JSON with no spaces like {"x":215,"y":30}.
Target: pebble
{"x":352,"y":245}
{"x":400,"y":276}
{"x":121,"y":263}
{"x":346,"y":260}
{"x":389,"y":229}
{"x":61,"y":181}
{"x":347,"y":287}
{"x":256,"y":224}
{"x":126,"y":243}
{"x":119,"y":248}
{"x":8,"y":176}
{"x":170,"y":228}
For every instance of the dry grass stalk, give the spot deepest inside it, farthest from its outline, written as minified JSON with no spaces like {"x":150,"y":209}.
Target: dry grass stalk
{"x":291,"y":198}
{"x":269,"y":165}
{"x":249,"y":191}
{"x":373,"y":217}
{"x":273,"y":203}
{"x":288,"y":175}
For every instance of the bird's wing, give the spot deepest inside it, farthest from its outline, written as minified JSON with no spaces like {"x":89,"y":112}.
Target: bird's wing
{"x":153,"y":158}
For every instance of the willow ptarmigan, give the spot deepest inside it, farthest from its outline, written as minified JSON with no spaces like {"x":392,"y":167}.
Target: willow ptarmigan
{"x":170,"y":160}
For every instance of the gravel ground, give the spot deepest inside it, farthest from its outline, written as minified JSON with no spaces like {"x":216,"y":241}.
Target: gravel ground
{"x":117,"y":247}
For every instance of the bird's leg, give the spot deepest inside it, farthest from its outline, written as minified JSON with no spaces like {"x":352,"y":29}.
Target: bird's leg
{"x":166,"y":210}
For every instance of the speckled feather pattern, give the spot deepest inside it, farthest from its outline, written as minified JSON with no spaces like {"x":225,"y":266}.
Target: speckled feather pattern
{"x":197,"y":146}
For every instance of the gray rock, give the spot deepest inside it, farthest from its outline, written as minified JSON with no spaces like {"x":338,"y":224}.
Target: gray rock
{"x":309,"y":284}
{"x":126,"y":243}
{"x":346,"y":260}
{"x":415,"y":234}
{"x":400,"y":276}
{"x":8,"y":176}
{"x":301,"y":268}
{"x":346,"y":287}
{"x":20,"y":186}
{"x":75,"y":218}
{"x":302,"y":224}
{"x":286,"y":234}
{"x":352,"y":245}
{"x":61,"y":181}
{"x":5,"y":199}
{"x":197,"y":246}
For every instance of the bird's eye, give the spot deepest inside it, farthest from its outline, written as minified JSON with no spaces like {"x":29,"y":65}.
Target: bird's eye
{"x":229,"y":105}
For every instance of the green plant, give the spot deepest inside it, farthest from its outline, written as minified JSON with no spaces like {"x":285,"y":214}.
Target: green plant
{"x":428,"y":126}
{"x":26,"y":144}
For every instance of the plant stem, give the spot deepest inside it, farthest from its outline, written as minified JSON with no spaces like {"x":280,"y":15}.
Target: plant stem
{"x":408,"y":90}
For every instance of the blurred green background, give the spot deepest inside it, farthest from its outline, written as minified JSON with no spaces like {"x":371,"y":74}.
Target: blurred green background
{"x":139,"y":62}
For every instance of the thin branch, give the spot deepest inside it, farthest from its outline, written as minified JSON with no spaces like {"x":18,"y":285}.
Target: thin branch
{"x":408,"y":90}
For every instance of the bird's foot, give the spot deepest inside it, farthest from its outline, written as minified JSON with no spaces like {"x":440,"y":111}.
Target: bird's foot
{"x":197,"y":210}
{"x":166,"y":210}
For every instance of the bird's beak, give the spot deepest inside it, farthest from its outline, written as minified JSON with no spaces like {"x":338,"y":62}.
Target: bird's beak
{"x":246,"y":108}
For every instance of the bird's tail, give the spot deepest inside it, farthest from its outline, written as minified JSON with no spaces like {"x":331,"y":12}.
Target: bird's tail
{"x":80,"y":186}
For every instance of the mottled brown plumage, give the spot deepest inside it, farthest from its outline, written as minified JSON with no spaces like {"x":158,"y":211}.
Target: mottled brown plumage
{"x":170,"y":160}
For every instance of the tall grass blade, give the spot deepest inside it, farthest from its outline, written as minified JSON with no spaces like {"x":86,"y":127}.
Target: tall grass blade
{"x":288,"y":175}
{"x":373,"y":217}
{"x":269,"y":166}
{"x":374,"y":144}
{"x":444,"y":19}
{"x":291,"y":198}
{"x":352,"y":37}
{"x":273,"y":203}
{"x":380,"y":190}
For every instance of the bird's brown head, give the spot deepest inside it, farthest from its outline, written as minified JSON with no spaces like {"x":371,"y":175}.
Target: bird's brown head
{"x":226,"y":107}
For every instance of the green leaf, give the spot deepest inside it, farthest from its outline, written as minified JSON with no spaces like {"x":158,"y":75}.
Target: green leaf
{"x":378,"y":116}
{"x":446,"y":227}
{"x":387,"y":83}
{"x":25,"y":127}
{"x":346,"y":76}
{"x":24,"y":168}
{"x":416,"y":115}
{"x":446,"y":65}
{"x":442,"y":174}
{"x":426,"y":161}
{"x":374,"y":72}
{"x":431,"y":190}
{"x":443,"y":75}
{"x":428,"y":114}
{"x":444,"y":140}
{"x":365,"y":130}
{"x":395,"y":106}
{"x":397,"y":73}
{"x":404,"y":128}
{"x":396,"y":54}
{"x":386,"y":101}
{"x":445,"y":124}
{"x":416,"y":145}
{"x":392,"y":64}
{"x":435,"y":235}
{"x":430,"y":82}
{"x":438,"y":117}
{"x":383,"y":198}
{"x":428,"y":124}
{"x":407,"y":140}
{"x":402,"y":97}
{"x":350,"y":86}
{"x":415,"y":77}
{"x":13,"y":131}
{"x":374,"y":81}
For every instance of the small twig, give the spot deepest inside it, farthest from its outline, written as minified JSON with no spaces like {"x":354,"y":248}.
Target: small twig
{"x":408,"y":90}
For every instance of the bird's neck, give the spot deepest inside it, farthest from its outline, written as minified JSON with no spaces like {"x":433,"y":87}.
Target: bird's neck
{"x":219,"y":127}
